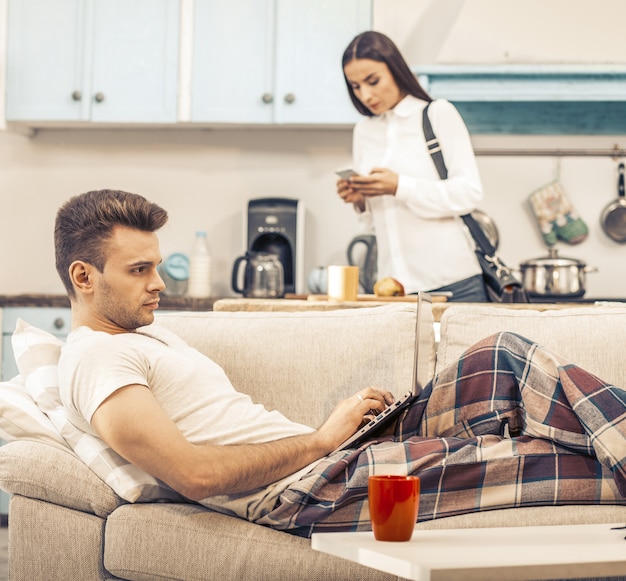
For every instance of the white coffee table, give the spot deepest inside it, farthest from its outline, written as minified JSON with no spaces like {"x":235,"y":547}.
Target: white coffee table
{"x":546,"y":552}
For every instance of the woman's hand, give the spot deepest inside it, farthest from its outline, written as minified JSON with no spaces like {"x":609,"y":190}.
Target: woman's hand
{"x":379,"y":182}
{"x":349,"y":195}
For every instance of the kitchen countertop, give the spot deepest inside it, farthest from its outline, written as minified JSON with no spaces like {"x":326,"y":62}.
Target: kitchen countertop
{"x":300,"y":304}
{"x":171,"y":303}
{"x":167,"y":303}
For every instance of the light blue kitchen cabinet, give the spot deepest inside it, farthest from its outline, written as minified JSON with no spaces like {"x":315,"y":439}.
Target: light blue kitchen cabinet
{"x":273,"y":61}
{"x":92,"y":60}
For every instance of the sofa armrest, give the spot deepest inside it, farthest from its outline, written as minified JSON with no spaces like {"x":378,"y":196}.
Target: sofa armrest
{"x":47,"y":473}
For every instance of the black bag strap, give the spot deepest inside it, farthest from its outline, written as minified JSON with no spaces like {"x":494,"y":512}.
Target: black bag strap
{"x":493,"y":267}
{"x":433,"y":145}
{"x":437,"y":154}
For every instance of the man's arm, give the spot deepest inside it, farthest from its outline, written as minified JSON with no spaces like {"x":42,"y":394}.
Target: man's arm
{"x":133,"y":423}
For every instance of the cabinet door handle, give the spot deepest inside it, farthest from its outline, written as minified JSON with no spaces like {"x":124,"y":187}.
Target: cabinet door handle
{"x":77,"y":95}
{"x":267,"y":98}
{"x":58,"y":323}
{"x":99,"y":97}
{"x":290,"y":98}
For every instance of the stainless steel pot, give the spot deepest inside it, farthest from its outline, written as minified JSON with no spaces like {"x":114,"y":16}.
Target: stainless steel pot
{"x":555,"y":276}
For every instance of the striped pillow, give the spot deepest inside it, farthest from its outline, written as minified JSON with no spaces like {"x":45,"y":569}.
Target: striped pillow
{"x":21,"y":419}
{"x":37,"y":354}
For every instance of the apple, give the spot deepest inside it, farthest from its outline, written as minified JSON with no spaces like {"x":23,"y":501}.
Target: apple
{"x":388,"y":287}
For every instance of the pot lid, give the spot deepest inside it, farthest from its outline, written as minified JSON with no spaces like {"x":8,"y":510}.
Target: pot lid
{"x":488,"y":226}
{"x":553,"y":259}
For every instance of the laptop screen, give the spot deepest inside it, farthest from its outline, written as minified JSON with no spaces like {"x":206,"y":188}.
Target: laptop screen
{"x":424,"y":340}
{"x":424,"y":337}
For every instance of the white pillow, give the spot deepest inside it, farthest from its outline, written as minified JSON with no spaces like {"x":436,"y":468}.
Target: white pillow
{"x":37,"y":356}
{"x":21,"y":419}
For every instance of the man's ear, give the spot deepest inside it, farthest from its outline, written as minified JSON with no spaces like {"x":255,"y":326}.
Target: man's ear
{"x":81,"y":275}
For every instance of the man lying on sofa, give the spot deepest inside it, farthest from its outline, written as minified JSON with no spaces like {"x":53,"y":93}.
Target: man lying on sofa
{"x":173,"y":413}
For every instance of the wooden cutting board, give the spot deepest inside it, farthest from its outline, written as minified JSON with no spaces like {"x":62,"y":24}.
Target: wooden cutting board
{"x":374,"y":298}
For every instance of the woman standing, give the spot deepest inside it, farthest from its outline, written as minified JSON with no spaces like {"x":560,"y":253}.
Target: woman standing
{"x":422,"y":242}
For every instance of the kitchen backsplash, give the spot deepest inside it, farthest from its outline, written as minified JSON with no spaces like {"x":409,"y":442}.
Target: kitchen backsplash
{"x":205,"y":179}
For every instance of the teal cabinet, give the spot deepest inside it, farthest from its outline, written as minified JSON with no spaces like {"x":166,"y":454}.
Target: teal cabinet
{"x":109,"y":61}
{"x":533,"y":99}
{"x":273,"y":61}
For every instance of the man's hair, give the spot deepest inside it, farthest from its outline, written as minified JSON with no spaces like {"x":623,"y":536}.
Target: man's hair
{"x":376,"y":46}
{"x":86,"y":222}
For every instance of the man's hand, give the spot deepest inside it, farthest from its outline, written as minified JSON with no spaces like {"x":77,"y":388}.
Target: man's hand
{"x":352,"y":413}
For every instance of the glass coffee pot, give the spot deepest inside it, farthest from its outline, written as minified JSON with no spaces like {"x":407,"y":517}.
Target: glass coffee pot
{"x":263,"y":276}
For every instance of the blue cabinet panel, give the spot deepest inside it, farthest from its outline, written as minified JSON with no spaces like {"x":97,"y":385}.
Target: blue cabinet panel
{"x":544,"y":118}
{"x":92,"y":60}
{"x":45,"y":60}
{"x":273,"y":61}
{"x":524,"y":100}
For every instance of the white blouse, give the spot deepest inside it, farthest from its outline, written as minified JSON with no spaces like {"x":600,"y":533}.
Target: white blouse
{"x":422,"y":242}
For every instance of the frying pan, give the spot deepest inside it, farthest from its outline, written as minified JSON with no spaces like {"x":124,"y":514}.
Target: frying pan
{"x":614,"y":216}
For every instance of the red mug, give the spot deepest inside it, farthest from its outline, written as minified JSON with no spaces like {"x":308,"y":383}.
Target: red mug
{"x":393,"y":504}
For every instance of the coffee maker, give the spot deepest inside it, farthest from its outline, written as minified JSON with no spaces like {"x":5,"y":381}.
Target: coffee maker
{"x":276,"y":226}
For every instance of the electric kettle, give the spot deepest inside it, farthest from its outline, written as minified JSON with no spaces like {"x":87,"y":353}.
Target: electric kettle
{"x":366,"y":259}
{"x":263,"y":276}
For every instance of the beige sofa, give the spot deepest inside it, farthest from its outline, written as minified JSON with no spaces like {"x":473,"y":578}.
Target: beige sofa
{"x":66,"y":523}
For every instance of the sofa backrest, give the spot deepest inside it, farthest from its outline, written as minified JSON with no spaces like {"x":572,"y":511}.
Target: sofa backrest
{"x":303,"y":363}
{"x":592,"y":337}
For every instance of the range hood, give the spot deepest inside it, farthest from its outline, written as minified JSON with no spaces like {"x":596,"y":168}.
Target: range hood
{"x":533,"y":99}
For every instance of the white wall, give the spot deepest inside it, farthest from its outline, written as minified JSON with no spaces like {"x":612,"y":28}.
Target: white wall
{"x":590,"y":184}
{"x":204,"y":178}
{"x":505,"y":31}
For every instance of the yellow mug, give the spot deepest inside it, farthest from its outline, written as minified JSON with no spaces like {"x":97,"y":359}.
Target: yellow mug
{"x":343,"y":283}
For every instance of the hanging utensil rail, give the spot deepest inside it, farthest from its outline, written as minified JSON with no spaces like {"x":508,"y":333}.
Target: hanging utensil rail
{"x":616,"y":152}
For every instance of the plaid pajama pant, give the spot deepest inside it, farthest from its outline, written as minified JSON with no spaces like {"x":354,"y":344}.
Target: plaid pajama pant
{"x":567,"y":444}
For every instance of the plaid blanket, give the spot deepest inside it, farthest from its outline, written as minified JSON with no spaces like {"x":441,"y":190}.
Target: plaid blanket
{"x":510,"y":425}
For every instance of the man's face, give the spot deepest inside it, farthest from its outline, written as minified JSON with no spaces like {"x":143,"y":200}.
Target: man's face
{"x":126,"y":293}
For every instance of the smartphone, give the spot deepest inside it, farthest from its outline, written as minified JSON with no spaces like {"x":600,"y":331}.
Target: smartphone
{"x":346,"y":173}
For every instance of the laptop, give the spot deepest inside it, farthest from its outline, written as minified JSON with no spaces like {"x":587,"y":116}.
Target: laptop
{"x":424,"y":336}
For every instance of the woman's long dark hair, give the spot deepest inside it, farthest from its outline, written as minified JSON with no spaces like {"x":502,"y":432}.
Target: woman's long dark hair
{"x":376,"y":46}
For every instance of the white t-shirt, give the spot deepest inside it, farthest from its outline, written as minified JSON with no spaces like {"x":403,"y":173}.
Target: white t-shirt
{"x":192,"y":390}
{"x":422,"y":242}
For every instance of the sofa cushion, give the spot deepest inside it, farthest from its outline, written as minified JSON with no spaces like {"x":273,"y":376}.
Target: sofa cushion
{"x":48,"y":473}
{"x":531,"y":516}
{"x":569,"y":332}
{"x":48,"y":541}
{"x":346,"y":350}
{"x":20,"y":418}
{"x":183,"y":541}
{"x":37,"y":355}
